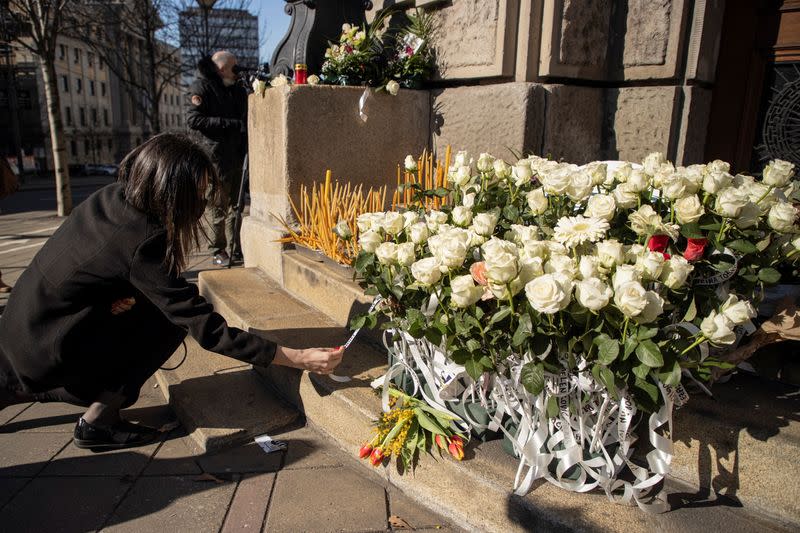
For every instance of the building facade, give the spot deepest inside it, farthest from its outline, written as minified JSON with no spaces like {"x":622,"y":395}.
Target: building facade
{"x":233,"y":30}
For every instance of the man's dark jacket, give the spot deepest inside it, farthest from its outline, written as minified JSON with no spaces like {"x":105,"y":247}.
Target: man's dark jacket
{"x":57,"y":328}
{"x":218,"y":115}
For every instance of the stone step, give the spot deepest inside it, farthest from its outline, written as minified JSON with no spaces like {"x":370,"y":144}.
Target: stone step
{"x":476,"y":493}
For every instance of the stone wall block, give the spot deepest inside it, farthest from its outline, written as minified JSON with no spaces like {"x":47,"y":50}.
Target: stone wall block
{"x":639,"y":120}
{"x":498,"y":119}
{"x":695,"y":114}
{"x":573,"y":123}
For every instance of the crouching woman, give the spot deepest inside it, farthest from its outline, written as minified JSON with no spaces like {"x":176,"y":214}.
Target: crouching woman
{"x":103,"y":305}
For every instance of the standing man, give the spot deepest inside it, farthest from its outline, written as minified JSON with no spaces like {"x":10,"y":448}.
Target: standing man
{"x":218,"y":113}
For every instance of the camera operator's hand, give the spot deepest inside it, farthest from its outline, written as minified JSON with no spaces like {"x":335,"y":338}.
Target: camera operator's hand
{"x":317,"y":360}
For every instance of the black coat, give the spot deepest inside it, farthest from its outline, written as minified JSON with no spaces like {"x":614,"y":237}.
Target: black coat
{"x":218,"y":116}
{"x":58,"y":320}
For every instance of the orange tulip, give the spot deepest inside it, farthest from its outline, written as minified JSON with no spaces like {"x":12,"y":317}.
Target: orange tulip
{"x":441,"y":441}
{"x":365,"y":450}
{"x":376,"y":458}
{"x":457,"y":451}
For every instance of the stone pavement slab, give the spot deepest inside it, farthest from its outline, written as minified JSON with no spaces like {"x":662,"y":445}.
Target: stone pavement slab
{"x":416,"y":516}
{"x":174,"y":458}
{"x":74,"y":461}
{"x":330,"y":499}
{"x":52,"y":417}
{"x":241,"y":459}
{"x":10,"y":412}
{"x":26,"y":454}
{"x":9,"y":486}
{"x":172,"y":504}
{"x":63,"y":504}
{"x":308,"y":449}
{"x":249,"y":505}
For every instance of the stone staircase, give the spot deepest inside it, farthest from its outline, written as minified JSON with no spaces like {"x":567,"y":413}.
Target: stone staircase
{"x":736,"y":463}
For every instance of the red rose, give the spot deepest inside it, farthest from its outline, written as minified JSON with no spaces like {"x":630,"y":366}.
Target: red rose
{"x":658,"y":243}
{"x":695,"y":249}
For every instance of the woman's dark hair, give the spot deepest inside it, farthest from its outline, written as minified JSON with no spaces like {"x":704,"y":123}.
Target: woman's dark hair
{"x":167,"y":177}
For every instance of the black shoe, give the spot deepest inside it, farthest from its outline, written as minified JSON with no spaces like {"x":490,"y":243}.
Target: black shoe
{"x":121,"y":435}
{"x":221,"y":258}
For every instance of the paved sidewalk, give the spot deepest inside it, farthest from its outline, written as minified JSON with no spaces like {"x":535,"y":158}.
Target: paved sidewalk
{"x":47,"y":484}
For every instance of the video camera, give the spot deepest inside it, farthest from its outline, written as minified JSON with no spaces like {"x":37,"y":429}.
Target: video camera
{"x":249,"y":74}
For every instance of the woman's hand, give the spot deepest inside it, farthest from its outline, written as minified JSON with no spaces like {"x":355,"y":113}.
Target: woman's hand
{"x":123,"y":305}
{"x":317,"y":360}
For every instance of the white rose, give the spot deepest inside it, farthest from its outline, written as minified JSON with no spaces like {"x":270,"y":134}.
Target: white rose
{"x":593,"y":294}
{"x":464,"y":291}
{"x":653,"y":308}
{"x":588,"y":267}
{"x":689,"y":209}
{"x":653,"y":162}
{"x":405,"y":253}
{"x":730,"y":202}
{"x":484,"y":223}
{"x":462,"y":159}
{"x":468,"y":200}
{"x":376,"y":221}
{"x":369,"y":241}
{"x":675,"y":272}
{"x":796,"y":244}
{"x":386,"y":253}
{"x":561,"y":264}
{"x":501,"y":259}
{"x":663,"y":174}
{"x":645,"y":220}
{"x":625,"y":274}
{"x":547,"y":294}
{"x":462,"y":176}
{"x":501,"y":169}
{"x":781,"y":217}
{"x":279,"y":81}
{"x":674,"y":186}
{"x":259,"y":86}
{"x":393,"y":222}
{"x":313,"y":80}
{"x":580,"y":186}
{"x":537,"y":201}
{"x":718,"y":165}
{"x":426,"y":271}
{"x":650,"y":264}
{"x":410,"y":163}
{"x":452,"y":247}
{"x":622,"y":172}
{"x":364,"y":222}
{"x":462,"y":216}
{"x":625,"y":197}
{"x":410,"y":218}
{"x":392,"y":87}
{"x":749,"y":216}
{"x":630,"y":298}
{"x":718,"y":329}
{"x":778,"y":173}
{"x":434,"y":219}
{"x":522,"y":173}
{"x":736,"y":310}
{"x":529,"y":267}
{"x":610,"y":253}
{"x":557,"y":180}
{"x":713,"y":182}
{"x":485,"y":162}
{"x":633,"y":251}
{"x":695,"y":174}
{"x":602,"y":206}
{"x":536,"y":249}
{"x":598,"y":171}
{"x":419,"y":233}
{"x":520,"y":234}
{"x":637,"y":181}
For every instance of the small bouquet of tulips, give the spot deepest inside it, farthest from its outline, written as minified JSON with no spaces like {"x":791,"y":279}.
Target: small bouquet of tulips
{"x":408,"y":427}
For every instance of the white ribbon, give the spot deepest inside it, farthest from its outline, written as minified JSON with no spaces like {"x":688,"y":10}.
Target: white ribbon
{"x":362,"y":105}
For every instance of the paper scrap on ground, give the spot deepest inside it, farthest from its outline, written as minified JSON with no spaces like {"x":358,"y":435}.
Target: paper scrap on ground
{"x":269,"y":445}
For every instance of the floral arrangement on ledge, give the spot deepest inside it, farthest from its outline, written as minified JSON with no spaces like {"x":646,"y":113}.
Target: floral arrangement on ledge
{"x":379,"y":56}
{"x":569,"y":302}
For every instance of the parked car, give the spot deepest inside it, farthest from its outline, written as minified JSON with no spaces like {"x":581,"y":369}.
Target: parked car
{"x":102,"y":170}
{"x":78,"y":170}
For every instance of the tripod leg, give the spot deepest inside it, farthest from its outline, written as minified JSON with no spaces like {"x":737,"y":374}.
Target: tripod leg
{"x":239,"y":209}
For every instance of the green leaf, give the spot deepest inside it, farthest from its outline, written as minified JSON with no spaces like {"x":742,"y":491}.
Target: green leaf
{"x":511,"y":212}
{"x":608,"y":351}
{"x":358,"y":322}
{"x":641,"y":371}
{"x":428,"y":423}
{"x":629,"y":346}
{"x":769,"y":275}
{"x":474,"y":368}
{"x":764,"y":244}
{"x":523,"y":330}
{"x":502,"y":313}
{"x":645,"y":333}
{"x":671,"y":377}
{"x":441,"y":192}
{"x":607,"y":379}
{"x":364,"y":260}
{"x":552,"y":407}
{"x":532,"y":377}
{"x":540,"y":345}
{"x":691,"y":312}
{"x":648,"y":388}
{"x":473,"y":345}
{"x":648,"y":353}
{"x":692,"y":231}
{"x":741,"y":245}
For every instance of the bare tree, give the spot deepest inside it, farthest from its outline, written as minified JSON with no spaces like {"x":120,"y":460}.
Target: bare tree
{"x":130,"y":36}
{"x":35,"y":25}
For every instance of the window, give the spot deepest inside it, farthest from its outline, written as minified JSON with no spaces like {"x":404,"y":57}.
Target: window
{"x":68,"y":115}
{"x":102,"y":88}
{"x":62,"y":52}
{"x":65,"y":83}
{"x":90,"y":59}
{"x":94,"y":116}
{"x":87,"y":147}
{"x":82,"y":113}
{"x":76,"y":55}
{"x":110,"y":145}
{"x":91,"y":87}
{"x":78,"y":85}
{"x":105,"y":117}
{"x":100,"y":64}
{"x":73,"y":147}
{"x":179,"y":121}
